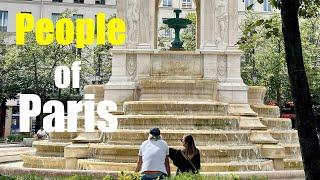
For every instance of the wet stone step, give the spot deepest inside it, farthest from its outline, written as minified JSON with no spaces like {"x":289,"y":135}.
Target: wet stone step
{"x":178,"y":122}
{"x":285,"y":136}
{"x":120,"y":153}
{"x":175,"y":108}
{"x":173,"y":137}
{"x":277,"y":123}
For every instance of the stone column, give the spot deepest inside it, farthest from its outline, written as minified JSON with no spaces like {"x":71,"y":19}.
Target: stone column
{"x":233,"y":31}
{"x":207,"y":32}
{"x":232,"y":89}
{"x":121,"y":86}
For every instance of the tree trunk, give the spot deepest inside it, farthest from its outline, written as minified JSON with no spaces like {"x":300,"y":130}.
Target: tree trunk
{"x":305,"y":122}
{"x":3,"y":112}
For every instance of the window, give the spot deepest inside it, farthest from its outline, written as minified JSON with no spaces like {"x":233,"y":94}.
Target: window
{"x":248,"y":3}
{"x":3,"y":21}
{"x":266,"y":5}
{"x":77,"y":16}
{"x":100,"y":1}
{"x":167,"y":33}
{"x":167,"y":3}
{"x":186,"y":4}
{"x":79,"y":1}
{"x":55,"y":17}
{"x":57,"y":0}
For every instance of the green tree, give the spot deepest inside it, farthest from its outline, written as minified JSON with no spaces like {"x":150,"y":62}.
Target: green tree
{"x":30,"y":69}
{"x":300,"y":90}
{"x":189,"y":34}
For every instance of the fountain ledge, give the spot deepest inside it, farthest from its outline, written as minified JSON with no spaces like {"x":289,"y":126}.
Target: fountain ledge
{"x":196,"y":52}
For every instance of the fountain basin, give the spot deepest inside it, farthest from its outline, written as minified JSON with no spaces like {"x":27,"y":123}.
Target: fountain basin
{"x":35,"y":161}
{"x":256,"y":94}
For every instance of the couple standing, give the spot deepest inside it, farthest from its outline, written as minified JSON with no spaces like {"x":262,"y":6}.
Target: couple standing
{"x":154,"y":155}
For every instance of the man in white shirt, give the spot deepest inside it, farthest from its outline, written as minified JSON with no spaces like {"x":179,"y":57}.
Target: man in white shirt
{"x":41,"y":134}
{"x":153,"y":159}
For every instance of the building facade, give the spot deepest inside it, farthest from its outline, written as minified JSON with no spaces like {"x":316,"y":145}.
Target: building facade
{"x":88,"y":8}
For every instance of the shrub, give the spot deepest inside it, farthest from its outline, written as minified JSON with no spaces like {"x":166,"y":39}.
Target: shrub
{"x":17,"y":137}
{"x":78,"y":177}
{"x":129,"y":176}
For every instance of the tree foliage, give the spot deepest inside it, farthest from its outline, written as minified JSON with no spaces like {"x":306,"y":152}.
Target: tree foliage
{"x":264,"y":55}
{"x":29,"y":69}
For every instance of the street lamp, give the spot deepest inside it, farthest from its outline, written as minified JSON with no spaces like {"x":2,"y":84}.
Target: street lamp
{"x":254,"y":69}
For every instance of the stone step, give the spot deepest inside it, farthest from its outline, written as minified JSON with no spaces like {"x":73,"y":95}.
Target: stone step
{"x":292,"y":151}
{"x":209,"y":154}
{"x":259,"y":165}
{"x":285,"y":136}
{"x":46,"y":147}
{"x":277,"y":123}
{"x":173,"y":137}
{"x":175,"y":108}
{"x":182,"y":90}
{"x":293,"y":164}
{"x":178,"y":122}
{"x":47,"y":162}
{"x":266,"y":110}
{"x":12,"y":153}
{"x":62,"y":136}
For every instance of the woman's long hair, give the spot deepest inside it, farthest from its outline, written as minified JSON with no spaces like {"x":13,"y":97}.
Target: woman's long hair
{"x":191,"y":149}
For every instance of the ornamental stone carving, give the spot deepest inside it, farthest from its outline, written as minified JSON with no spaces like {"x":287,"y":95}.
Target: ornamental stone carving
{"x":131,"y":65}
{"x":222,"y":22}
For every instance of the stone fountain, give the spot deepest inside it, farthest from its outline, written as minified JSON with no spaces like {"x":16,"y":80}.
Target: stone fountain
{"x":199,"y":93}
{"x":177,"y":24}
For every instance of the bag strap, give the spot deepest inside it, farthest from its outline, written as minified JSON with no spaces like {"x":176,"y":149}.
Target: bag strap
{"x":195,"y":169}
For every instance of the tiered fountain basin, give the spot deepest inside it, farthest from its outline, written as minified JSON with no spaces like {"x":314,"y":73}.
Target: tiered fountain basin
{"x":231,"y":137}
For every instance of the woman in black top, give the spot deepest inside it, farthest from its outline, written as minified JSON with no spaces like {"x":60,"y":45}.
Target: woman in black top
{"x":188,"y":158}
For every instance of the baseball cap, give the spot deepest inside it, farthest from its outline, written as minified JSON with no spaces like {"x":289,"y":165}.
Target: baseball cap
{"x":155,"y":131}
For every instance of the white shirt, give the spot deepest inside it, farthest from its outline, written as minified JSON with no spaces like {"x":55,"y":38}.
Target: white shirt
{"x":41,"y":133}
{"x":153,"y":155}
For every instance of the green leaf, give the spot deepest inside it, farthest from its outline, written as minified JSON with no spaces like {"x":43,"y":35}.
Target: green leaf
{"x":259,"y":22}
{"x":250,"y":7}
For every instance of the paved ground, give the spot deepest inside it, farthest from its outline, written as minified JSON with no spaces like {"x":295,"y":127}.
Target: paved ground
{"x":11,"y":152}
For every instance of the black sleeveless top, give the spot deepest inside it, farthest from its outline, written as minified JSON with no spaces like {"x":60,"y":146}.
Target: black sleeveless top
{"x":182,"y":163}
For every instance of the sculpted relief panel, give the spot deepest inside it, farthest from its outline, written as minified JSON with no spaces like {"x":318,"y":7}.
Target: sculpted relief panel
{"x":222,"y":67}
{"x":221,"y":22}
{"x":131,"y":66}
{"x":133,"y":22}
